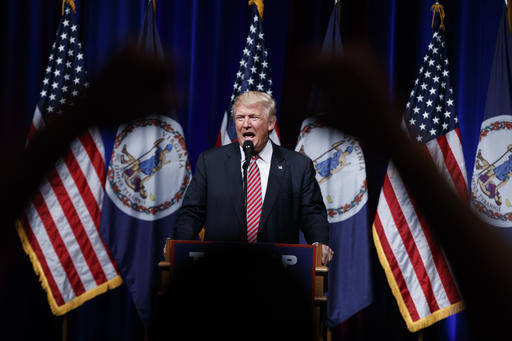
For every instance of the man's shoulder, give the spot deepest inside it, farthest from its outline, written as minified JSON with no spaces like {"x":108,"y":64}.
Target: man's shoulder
{"x":218,"y":151}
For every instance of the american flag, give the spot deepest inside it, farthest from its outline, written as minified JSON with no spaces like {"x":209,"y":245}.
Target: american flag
{"x":415,"y":265}
{"x":59,"y":228}
{"x":253,"y":75}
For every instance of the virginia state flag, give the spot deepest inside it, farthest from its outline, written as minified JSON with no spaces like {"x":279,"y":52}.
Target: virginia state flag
{"x":491,"y":191}
{"x":147,"y":177}
{"x":341,"y":173}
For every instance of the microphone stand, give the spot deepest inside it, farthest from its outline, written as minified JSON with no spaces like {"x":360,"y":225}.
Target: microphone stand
{"x":244,"y":185}
{"x":248,"y":149}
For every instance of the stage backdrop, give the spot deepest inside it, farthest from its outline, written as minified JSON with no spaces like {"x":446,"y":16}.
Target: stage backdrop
{"x":204,"y":40}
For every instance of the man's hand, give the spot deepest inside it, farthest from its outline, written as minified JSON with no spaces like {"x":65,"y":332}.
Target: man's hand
{"x":327,"y":254}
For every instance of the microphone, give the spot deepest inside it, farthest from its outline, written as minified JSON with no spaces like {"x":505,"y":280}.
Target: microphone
{"x":248,"y":149}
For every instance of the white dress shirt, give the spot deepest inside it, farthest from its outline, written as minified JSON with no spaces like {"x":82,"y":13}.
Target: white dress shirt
{"x":263,"y":161}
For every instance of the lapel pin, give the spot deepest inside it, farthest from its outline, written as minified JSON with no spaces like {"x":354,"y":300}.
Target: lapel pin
{"x":279,"y":167}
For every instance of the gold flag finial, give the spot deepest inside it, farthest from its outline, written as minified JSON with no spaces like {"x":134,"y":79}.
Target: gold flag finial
{"x":154,"y":7}
{"x":259,"y":5}
{"x":70,"y":3}
{"x":438,"y":8}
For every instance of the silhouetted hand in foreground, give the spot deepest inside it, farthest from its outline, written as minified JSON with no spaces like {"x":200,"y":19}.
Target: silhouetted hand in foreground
{"x":480,"y":255}
{"x":132,"y":85}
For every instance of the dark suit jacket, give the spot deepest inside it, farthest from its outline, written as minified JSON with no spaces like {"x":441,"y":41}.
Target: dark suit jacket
{"x":215,"y":197}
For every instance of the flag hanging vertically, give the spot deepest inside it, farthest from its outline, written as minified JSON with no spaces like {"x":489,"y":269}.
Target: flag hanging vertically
{"x":148,"y":174}
{"x":491,"y":192}
{"x":253,"y":73}
{"x":416,"y":268}
{"x":341,"y":173}
{"x":59,"y":228}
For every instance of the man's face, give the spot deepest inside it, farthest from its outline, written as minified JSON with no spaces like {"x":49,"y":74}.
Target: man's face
{"x":252,"y":125}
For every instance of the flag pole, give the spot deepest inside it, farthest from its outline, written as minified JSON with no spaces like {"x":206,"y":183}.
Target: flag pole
{"x":71,"y":4}
{"x":337,"y":3}
{"x":65,"y":327}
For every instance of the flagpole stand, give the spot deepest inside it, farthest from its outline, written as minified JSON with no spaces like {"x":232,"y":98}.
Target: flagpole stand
{"x":165,"y":268}
{"x":322,"y":333}
{"x":65,"y":328}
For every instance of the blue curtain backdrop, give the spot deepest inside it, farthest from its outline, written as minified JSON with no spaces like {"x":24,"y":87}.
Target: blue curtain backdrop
{"x":204,"y":40}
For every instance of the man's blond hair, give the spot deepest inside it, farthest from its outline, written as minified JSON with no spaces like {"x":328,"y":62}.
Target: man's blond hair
{"x":252,"y":98}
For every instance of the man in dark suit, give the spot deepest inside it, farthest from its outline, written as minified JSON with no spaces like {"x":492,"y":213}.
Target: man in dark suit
{"x":290,"y":195}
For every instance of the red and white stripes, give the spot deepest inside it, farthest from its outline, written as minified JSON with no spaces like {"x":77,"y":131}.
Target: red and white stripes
{"x":59,"y":229}
{"x":254,"y":201}
{"x":446,"y":152}
{"x":417,"y":270}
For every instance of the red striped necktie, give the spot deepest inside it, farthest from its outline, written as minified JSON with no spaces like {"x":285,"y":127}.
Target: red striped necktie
{"x":254,"y":201}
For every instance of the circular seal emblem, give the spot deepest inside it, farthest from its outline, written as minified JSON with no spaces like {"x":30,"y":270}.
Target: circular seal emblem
{"x":491,"y":190}
{"x":340,"y":168}
{"x":149,"y":169}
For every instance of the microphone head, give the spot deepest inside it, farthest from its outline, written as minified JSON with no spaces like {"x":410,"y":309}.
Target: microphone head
{"x":248,"y":145}
{"x":248,"y":148}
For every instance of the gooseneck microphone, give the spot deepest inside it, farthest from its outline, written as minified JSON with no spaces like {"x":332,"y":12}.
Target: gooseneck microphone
{"x":248,"y":148}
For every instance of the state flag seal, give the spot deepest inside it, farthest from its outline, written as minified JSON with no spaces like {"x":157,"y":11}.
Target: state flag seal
{"x":491,"y":190}
{"x":149,"y":170}
{"x":340,"y":168}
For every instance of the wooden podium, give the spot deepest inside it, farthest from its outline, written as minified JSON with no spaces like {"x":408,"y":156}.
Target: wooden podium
{"x":306,"y":258}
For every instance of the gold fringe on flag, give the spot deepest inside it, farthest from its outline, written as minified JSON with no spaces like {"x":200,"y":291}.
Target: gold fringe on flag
{"x":56,"y":309}
{"x":259,"y":4}
{"x":438,"y":8}
{"x":154,"y":7}
{"x":70,"y":3}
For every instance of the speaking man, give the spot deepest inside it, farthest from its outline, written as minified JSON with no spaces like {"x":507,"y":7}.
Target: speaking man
{"x":283,"y":195}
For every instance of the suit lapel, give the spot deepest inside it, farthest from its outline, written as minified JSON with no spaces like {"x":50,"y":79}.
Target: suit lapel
{"x":275,"y":178}
{"x":234,"y":173}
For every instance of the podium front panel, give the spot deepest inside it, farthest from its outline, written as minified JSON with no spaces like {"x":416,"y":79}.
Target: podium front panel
{"x":297,"y":260}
